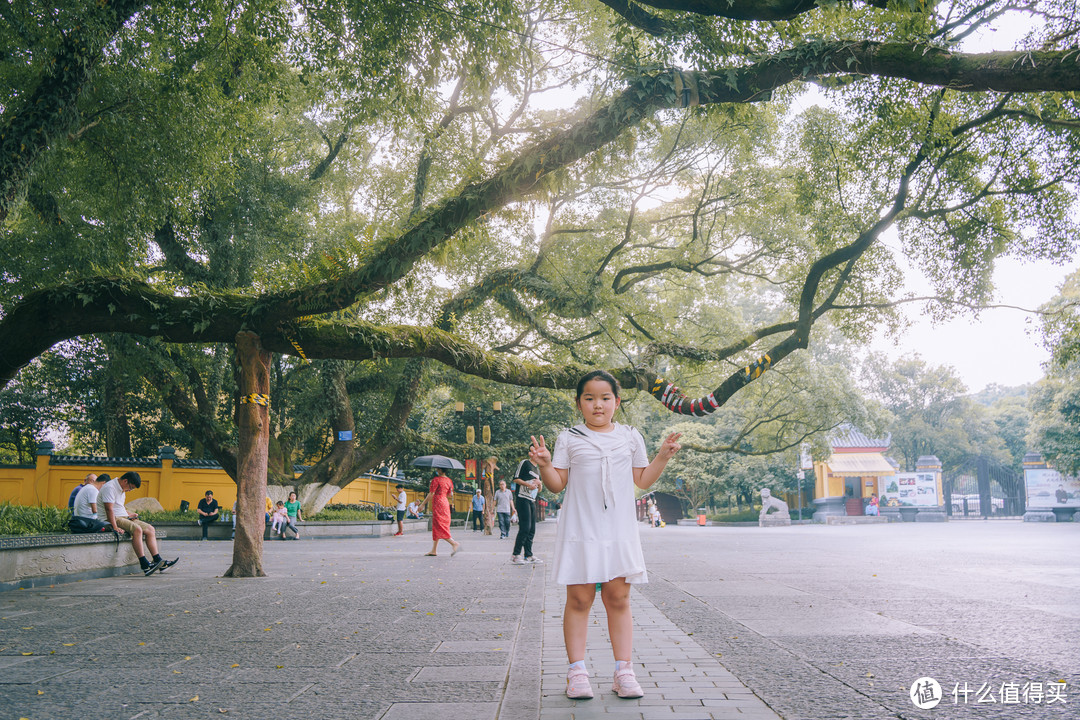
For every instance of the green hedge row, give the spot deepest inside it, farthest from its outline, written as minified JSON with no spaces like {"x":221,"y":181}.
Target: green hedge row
{"x":26,"y":520}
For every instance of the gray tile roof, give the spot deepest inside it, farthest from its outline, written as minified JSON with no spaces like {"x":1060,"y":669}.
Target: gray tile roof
{"x":848,"y":436}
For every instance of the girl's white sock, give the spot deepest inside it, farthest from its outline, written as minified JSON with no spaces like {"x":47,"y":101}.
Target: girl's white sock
{"x":620,"y":664}
{"x":578,"y":664}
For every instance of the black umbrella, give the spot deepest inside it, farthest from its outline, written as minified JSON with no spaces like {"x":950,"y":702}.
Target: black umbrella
{"x":437,"y":461}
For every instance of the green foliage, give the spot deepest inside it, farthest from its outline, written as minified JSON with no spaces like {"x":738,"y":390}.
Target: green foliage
{"x":26,"y":412}
{"x":1055,"y":424}
{"x":94,"y":393}
{"x":750,"y":515}
{"x":25,"y":520}
{"x":930,"y":415}
{"x":1061,"y":321}
{"x":1055,"y":400}
{"x":223,"y":151}
{"x":343,"y":512}
{"x":170,"y":516}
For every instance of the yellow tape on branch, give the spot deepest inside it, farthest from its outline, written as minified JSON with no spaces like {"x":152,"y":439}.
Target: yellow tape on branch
{"x":255,"y":399}
{"x":299,"y":349}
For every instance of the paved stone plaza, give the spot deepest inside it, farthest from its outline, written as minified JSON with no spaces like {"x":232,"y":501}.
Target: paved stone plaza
{"x":801,"y":622}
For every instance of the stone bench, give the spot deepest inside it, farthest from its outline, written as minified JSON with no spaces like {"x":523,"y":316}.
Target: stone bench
{"x":28,"y":561}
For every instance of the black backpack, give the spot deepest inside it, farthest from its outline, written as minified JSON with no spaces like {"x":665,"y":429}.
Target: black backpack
{"x":79,"y":524}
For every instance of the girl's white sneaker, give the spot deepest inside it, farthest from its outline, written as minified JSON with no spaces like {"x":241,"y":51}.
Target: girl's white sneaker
{"x":626,"y":685}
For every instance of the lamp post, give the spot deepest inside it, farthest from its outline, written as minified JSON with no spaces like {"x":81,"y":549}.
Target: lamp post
{"x":487,"y":483}
{"x":471,"y":431}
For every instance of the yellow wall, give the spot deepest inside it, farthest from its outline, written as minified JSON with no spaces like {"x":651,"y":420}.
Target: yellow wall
{"x":384,"y":491}
{"x":46,"y":484}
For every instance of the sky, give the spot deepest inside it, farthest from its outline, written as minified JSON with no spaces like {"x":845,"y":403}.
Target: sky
{"x":1000,"y":346}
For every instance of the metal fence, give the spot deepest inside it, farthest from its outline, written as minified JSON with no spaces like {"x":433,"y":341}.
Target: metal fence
{"x":983,"y":488}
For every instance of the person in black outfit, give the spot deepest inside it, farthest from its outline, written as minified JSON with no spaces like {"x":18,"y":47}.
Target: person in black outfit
{"x":208,"y":512}
{"x":526,"y":487}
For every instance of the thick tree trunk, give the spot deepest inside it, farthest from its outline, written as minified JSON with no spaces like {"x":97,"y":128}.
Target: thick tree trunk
{"x":489,"y":493}
{"x":254,"y":426}
{"x":315,"y":496}
{"x":114,"y":399}
{"x":117,"y":429}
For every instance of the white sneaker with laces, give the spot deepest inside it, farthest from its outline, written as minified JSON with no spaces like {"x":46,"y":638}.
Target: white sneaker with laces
{"x":535,"y":560}
{"x":577,"y":684}
{"x":626,"y":685}
{"x":516,"y":560}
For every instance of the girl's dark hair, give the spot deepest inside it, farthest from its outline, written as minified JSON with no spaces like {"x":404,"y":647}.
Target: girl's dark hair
{"x":598,"y":375}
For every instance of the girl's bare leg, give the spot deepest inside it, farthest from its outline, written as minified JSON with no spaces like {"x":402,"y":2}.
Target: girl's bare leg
{"x":616,"y":596}
{"x":575,"y":624}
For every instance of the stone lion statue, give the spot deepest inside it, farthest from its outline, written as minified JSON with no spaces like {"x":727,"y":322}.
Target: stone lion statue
{"x":777,"y":507}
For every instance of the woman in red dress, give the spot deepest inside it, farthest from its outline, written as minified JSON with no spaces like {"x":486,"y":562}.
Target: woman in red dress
{"x":439,"y":498}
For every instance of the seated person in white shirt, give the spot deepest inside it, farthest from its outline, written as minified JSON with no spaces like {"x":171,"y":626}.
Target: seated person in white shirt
{"x":86,"y":501}
{"x":84,"y":517}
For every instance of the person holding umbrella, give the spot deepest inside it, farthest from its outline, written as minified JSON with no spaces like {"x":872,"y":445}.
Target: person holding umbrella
{"x":438,"y":498}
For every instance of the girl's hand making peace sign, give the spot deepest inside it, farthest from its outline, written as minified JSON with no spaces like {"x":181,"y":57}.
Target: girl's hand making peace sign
{"x":539,"y":455}
{"x":670,"y":446}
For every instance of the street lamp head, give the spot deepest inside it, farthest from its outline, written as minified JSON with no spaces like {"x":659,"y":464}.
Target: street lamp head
{"x":497,"y":405}
{"x":459,"y":408}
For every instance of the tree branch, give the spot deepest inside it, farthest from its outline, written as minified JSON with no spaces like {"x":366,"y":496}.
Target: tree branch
{"x":640,"y":17}
{"x":394,"y":257}
{"x":744,"y":9}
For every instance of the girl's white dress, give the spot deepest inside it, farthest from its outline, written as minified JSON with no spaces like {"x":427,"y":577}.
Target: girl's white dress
{"x":597,"y":537}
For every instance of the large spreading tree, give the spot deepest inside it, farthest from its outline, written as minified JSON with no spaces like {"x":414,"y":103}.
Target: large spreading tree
{"x":336,"y":195}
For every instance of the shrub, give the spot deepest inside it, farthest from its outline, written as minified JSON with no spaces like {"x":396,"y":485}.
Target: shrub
{"x":170,"y":516}
{"x":343,"y":512}
{"x":744,"y":516}
{"x":26,"y":520}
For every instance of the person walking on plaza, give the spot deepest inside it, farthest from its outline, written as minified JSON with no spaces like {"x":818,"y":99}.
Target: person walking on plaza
{"x":526,"y":488}
{"x":111,"y":510}
{"x":504,"y":505}
{"x":439,"y":498}
{"x":478,"y":510}
{"x":208,"y":512}
{"x":292,"y":509}
{"x":598,"y":463}
{"x":402,"y":502}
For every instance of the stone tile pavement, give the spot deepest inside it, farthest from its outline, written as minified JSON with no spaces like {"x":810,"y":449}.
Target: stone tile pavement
{"x":808,"y":623}
{"x":681,"y":680}
{"x":365,"y":628}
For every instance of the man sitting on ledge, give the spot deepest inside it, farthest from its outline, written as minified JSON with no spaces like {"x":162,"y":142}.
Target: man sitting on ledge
{"x":111,"y":509}
{"x":84,"y":514}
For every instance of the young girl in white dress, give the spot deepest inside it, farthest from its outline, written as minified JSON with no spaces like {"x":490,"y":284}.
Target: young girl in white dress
{"x":598,"y":463}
